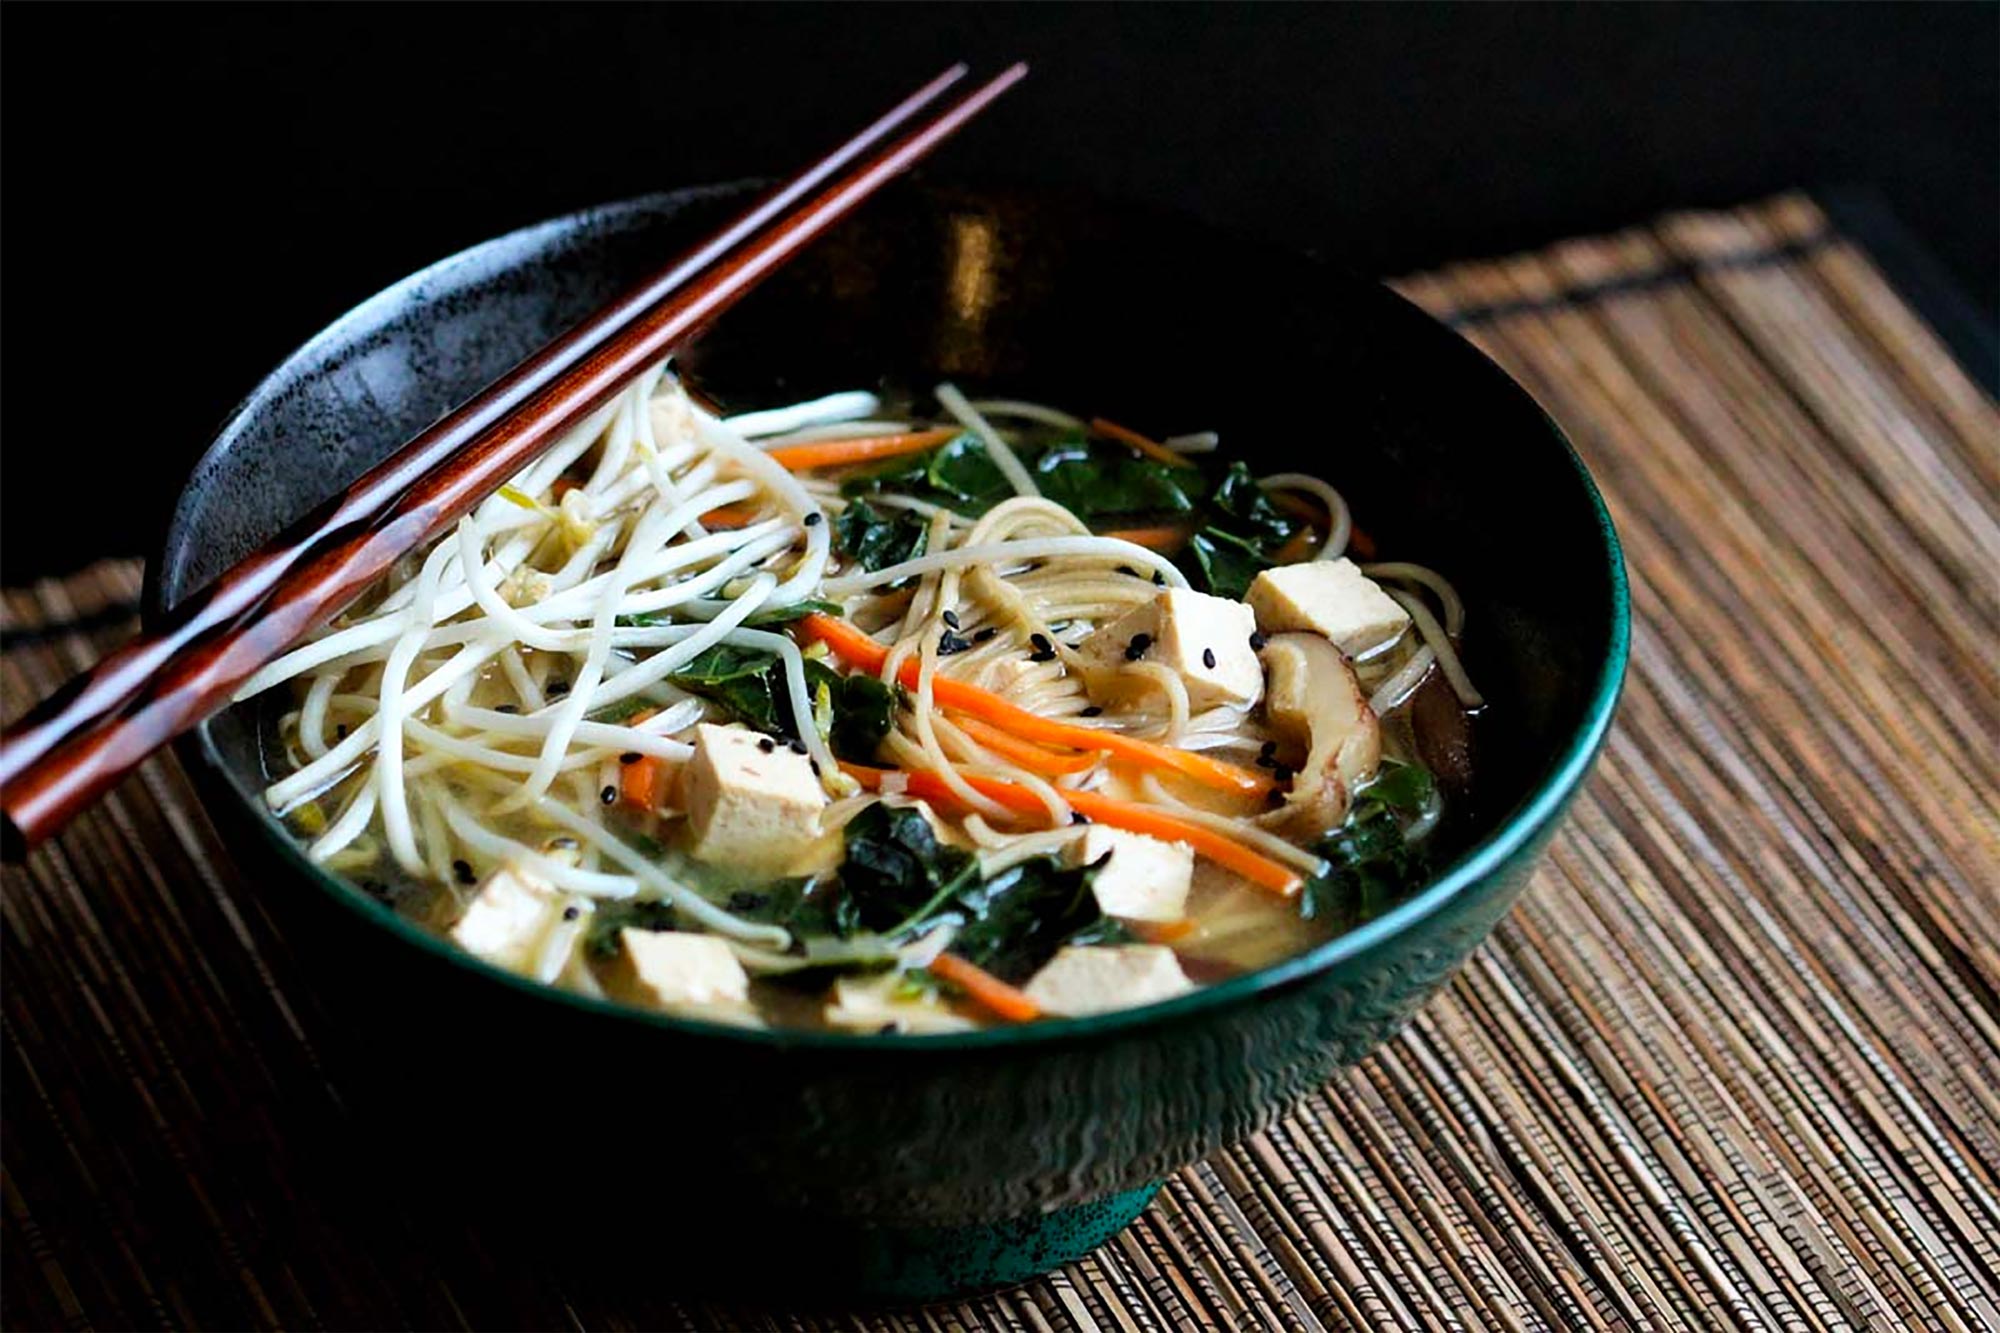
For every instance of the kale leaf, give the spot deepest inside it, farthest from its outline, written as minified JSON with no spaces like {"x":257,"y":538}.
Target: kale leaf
{"x":1241,"y":532}
{"x":958,"y":474}
{"x":878,"y":538}
{"x":854,"y":712}
{"x":1370,"y":864}
{"x":897,"y":872}
{"x":1017,"y":920}
{"x":749,"y":682}
{"x":1098,"y":481}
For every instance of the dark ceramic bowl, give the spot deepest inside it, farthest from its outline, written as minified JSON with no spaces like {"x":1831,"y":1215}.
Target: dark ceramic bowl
{"x":920,"y":1166}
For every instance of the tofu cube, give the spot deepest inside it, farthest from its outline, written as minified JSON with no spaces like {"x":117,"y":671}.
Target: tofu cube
{"x":870,"y":1004}
{"x":752,"y":805}
{"x":677,"y":970}
{"x":509,"y":918}
{"x":1095,"y":980}
{"x":1327,"y":597}
{"x":1145,"y":879}
{"x":1206,"y":640}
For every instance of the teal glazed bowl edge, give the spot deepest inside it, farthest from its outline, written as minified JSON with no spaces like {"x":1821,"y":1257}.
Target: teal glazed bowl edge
{"x":915,"y":1168}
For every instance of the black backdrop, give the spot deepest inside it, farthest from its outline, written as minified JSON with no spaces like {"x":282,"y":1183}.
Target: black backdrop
{"x":208,"y":185}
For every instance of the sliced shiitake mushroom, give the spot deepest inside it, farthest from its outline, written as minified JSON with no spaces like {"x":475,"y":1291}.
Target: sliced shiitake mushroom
{"x":1315,"y":703}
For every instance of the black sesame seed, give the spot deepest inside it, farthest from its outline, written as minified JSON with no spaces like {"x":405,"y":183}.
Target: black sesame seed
{"x":509,"y":709}
{"x":340,"y":731}
{"x":949,"y":643}
{"x":1281,"y":773}
{"x":1078,"y":817}
{"x":1208,"y":658}
{"x":1265,"y":761}
{"x":812,"y":519}
{"x":1136,"y":649}
{"x":1042,"y":655}
{"x":815,"y":766}
{"x":983,"y":635}
{"x":1092,"y":711}
{"x":1128,"y":571}
{"x":629,"y":757}
{"x":1275,"y":797}
{"x":766,"y":744}
{"x":798,"y":747}
{"x":463,"y":870}
{"x":572,"y":913}
{"x":1159,"y":579}
{"x":1041,"y":642}
{"x":1267,"y":749}
{"x":950,"y":618}
{"x":1257,"y":642}
{"x":608,"y":795}
{"x":557,"y":689}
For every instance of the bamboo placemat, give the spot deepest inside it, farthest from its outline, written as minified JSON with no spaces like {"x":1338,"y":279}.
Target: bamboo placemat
{"x":1734,"y":1061}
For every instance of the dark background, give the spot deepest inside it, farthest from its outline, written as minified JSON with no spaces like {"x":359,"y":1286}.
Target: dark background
{"x":190,"y":192}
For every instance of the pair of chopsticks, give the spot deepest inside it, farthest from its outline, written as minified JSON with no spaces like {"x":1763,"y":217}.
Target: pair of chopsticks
{"x":80,"y":741}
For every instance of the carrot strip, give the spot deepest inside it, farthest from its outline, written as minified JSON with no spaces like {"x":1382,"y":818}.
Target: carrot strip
{"x":985,"y":989}
{"x":1133,"y":818}
{"x":1163,"y":932}
{"x":1153,"y":449}
{"x":639,"y":782}
{"x":1297,"y":547}
{"x":1027,"y":754}
{"x":726,"y":518}
{"x":861,"y":651}
{"x":564,"y":485}
{"x":1166,"y":537}
{"x":839,"y":453}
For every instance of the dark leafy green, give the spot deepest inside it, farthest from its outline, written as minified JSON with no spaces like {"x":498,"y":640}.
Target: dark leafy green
{"x":903,"y":881}
{"x":959,"y":474}
{"x":809,"y":908}
{"x":1370,"y":864}
{"x":863,"y":708}
{"x":1243,"y":507}
{"x":898,"y":873}
{"x":878,"y":538}
{"x":1221,"y":563}
{"x":1099,"y":481}
{"x":749,"y":682}
{"x":1240,"y":533}
{"x":1017,"y":920}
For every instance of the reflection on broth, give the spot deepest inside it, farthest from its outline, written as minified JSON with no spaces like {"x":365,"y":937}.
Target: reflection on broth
{"x":854,"y":715}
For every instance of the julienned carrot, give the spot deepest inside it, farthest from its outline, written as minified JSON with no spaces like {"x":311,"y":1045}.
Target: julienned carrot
{"x":726,"y":518}
{"x":1153,"y":449}
{"x":861,"y":651}
{"x":841,"y":453}
{"x":639,"y":782}
{"x":1163,"y":932}
{"x":1297,"y":547}
{"x":985,"y":989}
{"x":1133,"y":818}
{"x":1165,"y":537}
{"x":1034,"y":758}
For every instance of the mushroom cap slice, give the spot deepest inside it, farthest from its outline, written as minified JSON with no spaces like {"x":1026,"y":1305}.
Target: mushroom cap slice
{"x":1313,"y":699}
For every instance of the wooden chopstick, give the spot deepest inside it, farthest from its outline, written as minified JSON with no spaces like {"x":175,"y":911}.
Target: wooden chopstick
{"x":117,"y":678}
{"x":67,"y":752}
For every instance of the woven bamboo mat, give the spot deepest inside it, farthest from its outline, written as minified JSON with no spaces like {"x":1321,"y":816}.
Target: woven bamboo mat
{"x":1735,"y":1061}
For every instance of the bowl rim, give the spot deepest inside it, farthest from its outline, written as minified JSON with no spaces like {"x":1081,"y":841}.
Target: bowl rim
{"x":1515,"y":831}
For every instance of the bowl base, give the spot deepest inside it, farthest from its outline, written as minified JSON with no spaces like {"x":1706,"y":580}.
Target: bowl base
{"x":916,"y":1265}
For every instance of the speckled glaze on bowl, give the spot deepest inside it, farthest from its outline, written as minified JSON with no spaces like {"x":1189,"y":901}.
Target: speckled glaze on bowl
{"x":919,"y":1167}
